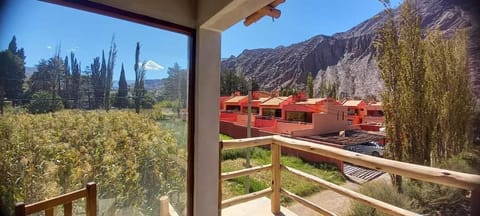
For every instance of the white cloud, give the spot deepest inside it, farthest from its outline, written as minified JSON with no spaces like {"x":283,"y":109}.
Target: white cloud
{"x":151,"y":65}
{"x":49,"y":47}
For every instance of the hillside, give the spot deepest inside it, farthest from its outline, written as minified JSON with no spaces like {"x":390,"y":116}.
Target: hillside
{"x":346,"y":58}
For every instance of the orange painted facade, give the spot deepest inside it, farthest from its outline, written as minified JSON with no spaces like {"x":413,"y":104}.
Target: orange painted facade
{"x":356,"y":111}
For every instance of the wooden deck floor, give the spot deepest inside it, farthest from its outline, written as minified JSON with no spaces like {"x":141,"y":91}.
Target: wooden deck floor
{"x":257,"y":207}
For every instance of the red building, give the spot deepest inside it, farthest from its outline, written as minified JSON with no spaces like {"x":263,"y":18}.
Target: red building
{"x":302,"y":111}
{"x":356,"y":110}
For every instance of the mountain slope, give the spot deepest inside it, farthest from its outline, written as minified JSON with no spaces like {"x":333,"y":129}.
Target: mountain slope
{"x":347,"y":58}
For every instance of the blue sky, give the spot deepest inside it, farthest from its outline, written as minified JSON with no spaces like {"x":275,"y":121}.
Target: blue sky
{"x":41,"y":27}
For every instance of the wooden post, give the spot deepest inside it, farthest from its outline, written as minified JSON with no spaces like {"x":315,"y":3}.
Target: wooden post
{"x":68,"y":209}
{"x":474,"y":202}
{"x":164,"y":206}
{"x":49,"y":212}
{"x":91,"y":199}
{"x":20,"y":209}
{"x":276,"y":185}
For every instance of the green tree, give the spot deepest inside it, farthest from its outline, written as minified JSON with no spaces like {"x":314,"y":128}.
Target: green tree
{"x":112,"y":54}
{"x":393,"y":57}
{"x":12,"y":72}
{"x":97,"y":83}
{"x":309,"y":85}
{"x":122,"y":96}
{"x":229,"y":82}
{"x":176,"y":85}
{"x":139,"y":88}
{"x":75,"y":81}
{"x":452,"y":109}
{"x":67,"y":88}
{"x":425,"y":122}
{"x":44,"y":102}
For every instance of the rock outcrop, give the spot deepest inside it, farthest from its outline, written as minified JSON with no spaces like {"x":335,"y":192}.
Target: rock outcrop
{"x":347,"y":58}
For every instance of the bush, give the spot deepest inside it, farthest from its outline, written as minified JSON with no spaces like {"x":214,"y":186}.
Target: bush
{"x":44,"y":102}
{"x":129,"y":156}
{"x":436,"y":199}
{"x":382,"y":191}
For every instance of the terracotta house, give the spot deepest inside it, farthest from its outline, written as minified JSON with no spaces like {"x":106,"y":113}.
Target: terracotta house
{"x":356,"y":110}
{"x":274,"y":107}
{"x":303,"y":111}
{"x":374,"y":113}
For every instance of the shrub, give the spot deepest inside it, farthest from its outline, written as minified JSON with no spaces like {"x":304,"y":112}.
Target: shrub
{"x":44,"y":102}
{"x":129,"y":156}
{"x":431,"y":198}
{"x":382,"y":191}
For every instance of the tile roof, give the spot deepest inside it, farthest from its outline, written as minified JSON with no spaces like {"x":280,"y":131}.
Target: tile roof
{"x":236,"y":99}
{"x":311,"y":101}
{"x":274,"y":101}
{"x":352,"y":102}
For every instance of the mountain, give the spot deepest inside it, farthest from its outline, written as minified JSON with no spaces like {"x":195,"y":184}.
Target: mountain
{"x":150,"y":84}
{"x":347,"y":59}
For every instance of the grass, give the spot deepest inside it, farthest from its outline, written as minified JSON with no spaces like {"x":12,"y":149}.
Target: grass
{"x":234,"y":160}
{"x":225,"y":137}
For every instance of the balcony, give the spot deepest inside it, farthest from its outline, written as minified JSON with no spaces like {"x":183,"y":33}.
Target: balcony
{"x":256,"y":203}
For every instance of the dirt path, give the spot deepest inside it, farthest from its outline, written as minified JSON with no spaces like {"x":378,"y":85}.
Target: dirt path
{"x":330,"y":200}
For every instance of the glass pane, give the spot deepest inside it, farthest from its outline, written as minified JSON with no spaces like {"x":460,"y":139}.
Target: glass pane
{"x":85,"y":98}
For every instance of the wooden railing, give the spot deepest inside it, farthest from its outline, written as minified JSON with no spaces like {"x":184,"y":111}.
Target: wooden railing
{"x":89,"y":192}
{"x":428,"y":174}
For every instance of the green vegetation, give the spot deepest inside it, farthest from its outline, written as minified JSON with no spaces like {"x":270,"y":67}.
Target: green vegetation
{"x":426,"y":99}
{"x":131,"y":157}
{"x":224,"y":137}
{"x":382,"y":191}
{"x":234,"y":159}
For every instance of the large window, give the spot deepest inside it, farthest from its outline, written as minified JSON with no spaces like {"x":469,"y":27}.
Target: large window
{"x":86,"y":97}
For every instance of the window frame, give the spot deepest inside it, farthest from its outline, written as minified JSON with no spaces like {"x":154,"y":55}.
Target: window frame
{"x":168,"y":26}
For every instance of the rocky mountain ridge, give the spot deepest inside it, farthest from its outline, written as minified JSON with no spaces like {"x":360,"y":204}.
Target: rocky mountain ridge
{"x":346,"y":58}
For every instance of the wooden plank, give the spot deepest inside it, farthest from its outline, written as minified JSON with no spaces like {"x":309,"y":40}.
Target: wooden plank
{"x":268,"y":10}
{"x":246,"y":197}
{"x":244,"y":172}
{"x":307,"y":203}
{"x":49,"y":212}
{"x":382,"y":206}
{"x":91,"y":199}
{"x":247,"y":142}
{"x":59,"y":200}
{"x":424,"y":173}
{"x":68,"y":209}
{"x":276,"y":178}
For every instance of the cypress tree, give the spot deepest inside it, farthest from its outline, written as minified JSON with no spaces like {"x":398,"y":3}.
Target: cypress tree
{"x":122,"y":95}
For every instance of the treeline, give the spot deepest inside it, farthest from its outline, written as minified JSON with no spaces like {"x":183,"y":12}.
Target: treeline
{"x":60,"y":83}
{"x":231,"y":82}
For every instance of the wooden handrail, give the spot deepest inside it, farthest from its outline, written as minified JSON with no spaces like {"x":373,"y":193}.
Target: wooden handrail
{"x":246,"y":197}
{"x":424,"y":173}
{"x":89,"y":192}
{"x":307,"y":203}
{"x":244,"y":172}
{"x":382,"y":206}
{"x":245,"y":143}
